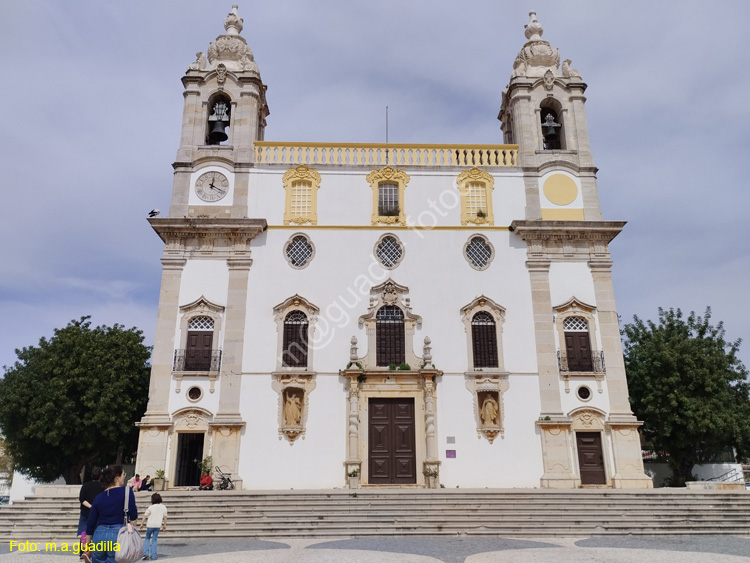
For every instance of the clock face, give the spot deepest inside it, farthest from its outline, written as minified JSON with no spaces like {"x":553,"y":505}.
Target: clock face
{"x":211,"y":186}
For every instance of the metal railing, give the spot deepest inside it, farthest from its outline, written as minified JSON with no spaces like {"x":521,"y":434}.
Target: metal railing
{"x":208,"y":361}
{"x":577,"y":365}
{"x":384,"y":154}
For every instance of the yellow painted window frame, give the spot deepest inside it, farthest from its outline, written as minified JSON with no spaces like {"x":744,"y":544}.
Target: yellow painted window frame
{"x":464,"y":181}
{"x":301,"y":173}
{"x":391,"y":176}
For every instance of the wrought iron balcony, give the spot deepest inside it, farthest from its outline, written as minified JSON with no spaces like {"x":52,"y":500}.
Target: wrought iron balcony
{"x":592,"y":364}
{"x":208,"y":361}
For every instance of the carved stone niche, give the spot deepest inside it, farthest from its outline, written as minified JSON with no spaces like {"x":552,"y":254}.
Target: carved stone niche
{"x":488,"y":404}
{"x":293,"y":399}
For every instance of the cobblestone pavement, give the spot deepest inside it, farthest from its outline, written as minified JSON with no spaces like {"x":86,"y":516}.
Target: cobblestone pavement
{"x":609,"y":549}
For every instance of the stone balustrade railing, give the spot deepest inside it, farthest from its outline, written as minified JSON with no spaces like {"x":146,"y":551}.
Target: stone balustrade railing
{"x":384,"y":154}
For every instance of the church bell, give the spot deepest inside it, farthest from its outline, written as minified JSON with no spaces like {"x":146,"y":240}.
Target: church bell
{"x":219,"y":121}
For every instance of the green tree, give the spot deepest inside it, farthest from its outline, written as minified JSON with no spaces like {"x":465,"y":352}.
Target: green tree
{"x":688,"y":387}
{"x":74,"y":398}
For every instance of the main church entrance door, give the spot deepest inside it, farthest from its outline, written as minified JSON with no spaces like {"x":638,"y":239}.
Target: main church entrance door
{"x":392,"y":456}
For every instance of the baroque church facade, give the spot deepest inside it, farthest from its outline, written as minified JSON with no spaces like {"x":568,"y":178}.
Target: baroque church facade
{"x":411,"y":314}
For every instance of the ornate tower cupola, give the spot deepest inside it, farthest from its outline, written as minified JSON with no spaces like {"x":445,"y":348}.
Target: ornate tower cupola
{"x":543,"y":106}
{"x":224,"y":114}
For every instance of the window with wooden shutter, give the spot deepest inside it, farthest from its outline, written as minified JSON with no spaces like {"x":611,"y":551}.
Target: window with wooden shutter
{"x":389,"y":323}
{"x":294,"y":349}
{"x":484,"y":340}
{"x":577,"y":344}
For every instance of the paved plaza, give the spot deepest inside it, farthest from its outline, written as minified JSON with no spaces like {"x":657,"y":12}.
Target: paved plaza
{"x":610,"y":549}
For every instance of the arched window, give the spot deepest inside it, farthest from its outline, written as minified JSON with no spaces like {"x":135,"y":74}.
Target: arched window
{"x":294,"y":352}
{"x":389,"y":334}
{"x":577,"y":344}
{"x":484,"y":340}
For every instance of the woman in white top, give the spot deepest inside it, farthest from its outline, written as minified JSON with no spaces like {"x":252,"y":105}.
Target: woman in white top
{"x":155,"y":520}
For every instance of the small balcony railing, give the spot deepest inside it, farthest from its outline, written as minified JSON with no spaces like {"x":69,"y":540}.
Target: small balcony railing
{"x":207,"y":361}
{"x":581,"y":365}
{"x":384,"y":154}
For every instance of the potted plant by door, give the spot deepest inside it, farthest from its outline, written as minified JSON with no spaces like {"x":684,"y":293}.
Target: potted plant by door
{"x":353,"y":478}
{"x":159,"y":481}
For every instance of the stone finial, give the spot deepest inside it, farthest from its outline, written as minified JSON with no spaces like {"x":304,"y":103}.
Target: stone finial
{"x":353,"y":352}
{"x":427,"y":352}
{"x":233,"y":21}
{"x":533,"y":30}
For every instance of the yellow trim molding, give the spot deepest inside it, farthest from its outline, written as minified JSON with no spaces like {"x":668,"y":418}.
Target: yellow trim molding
{"x":562,"y":215}
{"x":297,"y":181}
{"x":391,"y":176}
{"x":476,"y":188}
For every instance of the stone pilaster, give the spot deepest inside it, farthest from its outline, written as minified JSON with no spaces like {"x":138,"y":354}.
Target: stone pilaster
{"x":155,"y":424}
{"x":556,"y":455}
{"x":626,"y":449}
{"x":164,"y":341}
{"x":544,"y":334}
{"x":601,"y":272}
{"x":234,"y":340}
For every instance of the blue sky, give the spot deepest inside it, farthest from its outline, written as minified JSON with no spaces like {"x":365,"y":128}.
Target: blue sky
{"x":93,"y":105}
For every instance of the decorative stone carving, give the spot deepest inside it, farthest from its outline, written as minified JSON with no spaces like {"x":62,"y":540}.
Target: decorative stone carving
{"x":192,"y":420}
{"x":233,"y":22}
{"x":427,"y":354}
{"x":587,"y":420}
{"x":549,"y":83}
{"x":489,"y":411}
{"x":390,"y":293}
{"x":353,"y":353}
{"x":467,"y":177}
{"x":221,"y":74}
{"x":568,"y":72}
{"x":537,"y":56}
{"x":293,"y":399}
{"x":199,"y":63}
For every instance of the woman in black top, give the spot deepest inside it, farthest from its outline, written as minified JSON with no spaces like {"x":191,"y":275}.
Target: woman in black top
{"x":86,"y":497}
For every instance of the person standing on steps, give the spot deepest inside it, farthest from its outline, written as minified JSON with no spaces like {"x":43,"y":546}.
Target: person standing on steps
{"x":106,"y":515}
{"x":155,"y":519}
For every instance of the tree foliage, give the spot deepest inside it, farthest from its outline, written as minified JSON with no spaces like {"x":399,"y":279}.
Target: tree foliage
{"x":688,"y":387}
{"x":74,"y":398}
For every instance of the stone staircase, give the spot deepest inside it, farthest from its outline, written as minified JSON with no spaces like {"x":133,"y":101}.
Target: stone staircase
{"x":408,"y":512}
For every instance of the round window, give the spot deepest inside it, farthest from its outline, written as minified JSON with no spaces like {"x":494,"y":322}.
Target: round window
{"x":389,"y":251}
{"x":194,"y":393}
{"x":478,"y":252}
{"x":584,"y":393}
{"x":299,"y":251}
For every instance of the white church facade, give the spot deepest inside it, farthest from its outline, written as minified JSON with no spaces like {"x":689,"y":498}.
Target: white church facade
{"x":413,"y":314}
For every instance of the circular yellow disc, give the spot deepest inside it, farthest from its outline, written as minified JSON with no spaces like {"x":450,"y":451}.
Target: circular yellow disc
{"x":560,"y":189}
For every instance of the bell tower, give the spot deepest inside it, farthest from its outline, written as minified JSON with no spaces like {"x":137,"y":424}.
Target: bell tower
{"x":543,"y":113}
{"x":224,"y":113}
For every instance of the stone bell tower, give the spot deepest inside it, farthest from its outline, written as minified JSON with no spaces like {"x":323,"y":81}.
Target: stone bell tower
{"x":567,"y":251}
{"x":543,"y":113}
{"x":224,"y":113}
{"x":200,"y":328}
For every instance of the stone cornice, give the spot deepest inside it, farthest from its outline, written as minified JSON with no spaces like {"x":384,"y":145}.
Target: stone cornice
{"x":185,"y":228}
{"x":602,"y":231}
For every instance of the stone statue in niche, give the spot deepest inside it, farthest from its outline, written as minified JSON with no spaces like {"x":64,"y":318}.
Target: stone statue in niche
{"x":489,"y":411}
{"x":292,"y":409}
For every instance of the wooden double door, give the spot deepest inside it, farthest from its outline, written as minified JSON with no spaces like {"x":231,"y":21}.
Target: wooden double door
{"x":392,"y":456}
